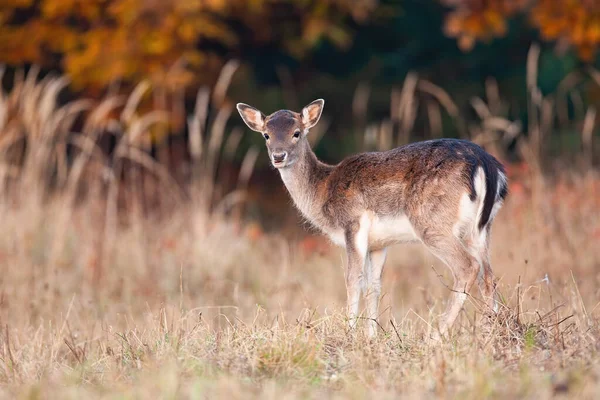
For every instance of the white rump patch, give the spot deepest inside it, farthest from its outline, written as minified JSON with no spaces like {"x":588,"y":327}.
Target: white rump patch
{"x":498,"y":203}
{"x":479,"y":184}
{"x":469,"y":213}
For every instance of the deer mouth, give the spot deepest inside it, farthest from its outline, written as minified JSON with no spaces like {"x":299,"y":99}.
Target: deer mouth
{"x":279,"y":163}
{"x":279,"y":159}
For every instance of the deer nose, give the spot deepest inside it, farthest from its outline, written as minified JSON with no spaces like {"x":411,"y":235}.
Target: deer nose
{"x":279,"y":157}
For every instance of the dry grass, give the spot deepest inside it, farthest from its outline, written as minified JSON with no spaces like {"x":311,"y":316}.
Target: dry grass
{"x":177,"y":315}
{"x":101,"y":303}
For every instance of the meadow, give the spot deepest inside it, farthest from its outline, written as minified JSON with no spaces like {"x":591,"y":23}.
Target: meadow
{"x":103,"y":295}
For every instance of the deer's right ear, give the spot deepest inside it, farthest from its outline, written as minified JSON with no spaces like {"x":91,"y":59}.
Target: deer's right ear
{"x":252,"y":117}
{"x":312,"y":112}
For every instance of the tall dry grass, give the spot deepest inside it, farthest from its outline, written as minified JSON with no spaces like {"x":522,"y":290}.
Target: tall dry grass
{"x":101,"y":298}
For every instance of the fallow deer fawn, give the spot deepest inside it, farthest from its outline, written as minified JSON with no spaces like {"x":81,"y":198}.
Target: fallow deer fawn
{"x":443,"y":193}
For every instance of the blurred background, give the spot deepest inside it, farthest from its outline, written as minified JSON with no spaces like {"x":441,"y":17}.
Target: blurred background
{"x":391,"y":72}
{"x":129,"y":104}
{"x":131,"y":190}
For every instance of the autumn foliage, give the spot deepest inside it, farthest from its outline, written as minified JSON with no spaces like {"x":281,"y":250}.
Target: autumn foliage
{"x":569,"y":22}
{"x":173,"y":43}
{"x":575,"y":23}
{"x":178,"y":43}
{"x":473,"y":20}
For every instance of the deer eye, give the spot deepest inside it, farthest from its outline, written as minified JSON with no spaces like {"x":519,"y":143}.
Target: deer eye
{"x":266,"y":136}
{"x":297,"y":134}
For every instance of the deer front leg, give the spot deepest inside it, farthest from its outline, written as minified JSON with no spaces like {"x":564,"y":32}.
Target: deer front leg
{"x":357,"y":244}
{"x":354,"y":283}
{"x":374,"y":266}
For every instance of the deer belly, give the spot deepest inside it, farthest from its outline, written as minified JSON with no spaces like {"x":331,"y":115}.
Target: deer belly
{"x":336,"y":236}
{"x":390,"y":230}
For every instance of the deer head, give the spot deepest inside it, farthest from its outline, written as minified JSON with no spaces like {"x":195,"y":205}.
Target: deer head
{"x":284,"y":131}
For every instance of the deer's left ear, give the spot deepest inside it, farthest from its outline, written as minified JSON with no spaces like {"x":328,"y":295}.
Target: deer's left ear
{"x":252,"y":117}
{"x":312,"y":112}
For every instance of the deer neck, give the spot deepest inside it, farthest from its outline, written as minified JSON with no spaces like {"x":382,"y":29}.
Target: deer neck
{"x":303,"y":179}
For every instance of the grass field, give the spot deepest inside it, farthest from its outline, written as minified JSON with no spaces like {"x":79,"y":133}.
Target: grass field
{"x":188,"y":309}
{"x":100,"y":298}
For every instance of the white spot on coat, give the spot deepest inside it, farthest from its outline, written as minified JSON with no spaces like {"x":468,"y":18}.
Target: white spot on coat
{"x":391,"y":230}
{"x":361,"y":240}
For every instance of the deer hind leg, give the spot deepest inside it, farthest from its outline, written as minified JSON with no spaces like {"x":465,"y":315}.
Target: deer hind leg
{"x":487,"y":283}
{"x":357,"y":246}
{"x":374,"y":269}
{"x":465,"y":269}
